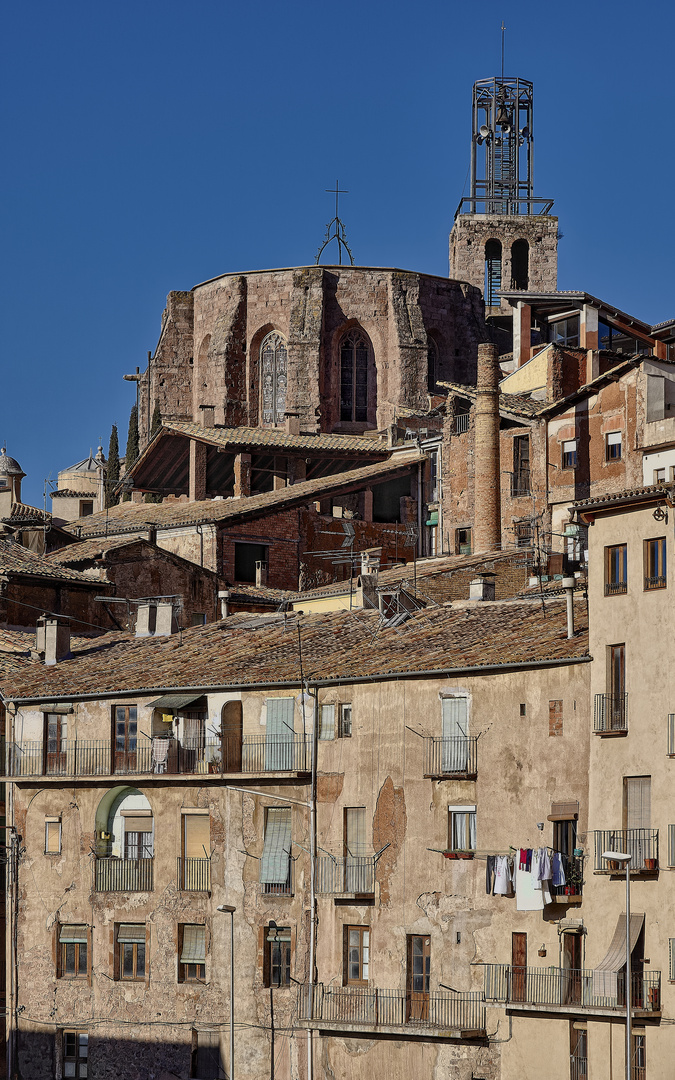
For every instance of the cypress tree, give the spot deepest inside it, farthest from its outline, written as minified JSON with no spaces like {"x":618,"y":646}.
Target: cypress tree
{"x":113,"y":473}
{"x":156,"y":420}
{"x":132,"y":439}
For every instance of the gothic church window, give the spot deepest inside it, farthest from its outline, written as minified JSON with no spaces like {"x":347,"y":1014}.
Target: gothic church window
{"x":273,"y":378}
{"x":354,"y":377}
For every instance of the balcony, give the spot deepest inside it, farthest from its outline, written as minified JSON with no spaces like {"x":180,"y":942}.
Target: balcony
{"x":442,"y":1013}
{"x":610,"y":714}
{"x":641,"y":844}
{"x":194,"y":875}
{"x":123,"y":875}
{"x":349,"y":875}
{"x":215,"y":757}
{"x":455,"y":758}
{"x":571,"y":892}
{"x":571,"y":990}
{"x":616,"y":588}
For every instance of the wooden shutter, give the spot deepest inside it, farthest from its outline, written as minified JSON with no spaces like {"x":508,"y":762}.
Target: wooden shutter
{"x":455,"y":717}
{"x":638,"y":802}
{"x":196,"y":836}
{"x":327,"y":722}
{"x":275,"y":862}
{"x":355,"y":830}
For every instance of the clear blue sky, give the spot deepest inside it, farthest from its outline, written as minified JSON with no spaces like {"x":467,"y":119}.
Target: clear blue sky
{"x":149,"y":146}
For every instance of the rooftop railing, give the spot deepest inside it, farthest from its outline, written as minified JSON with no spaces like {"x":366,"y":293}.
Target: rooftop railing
{"x":250,"y":754}
{"x":373,"y":1007}
{"x":641,"y":844}
{"x":610,"y":713}
{"x":457,"y":756}
{"x":345,"y":875}
{"x":577,"y":987}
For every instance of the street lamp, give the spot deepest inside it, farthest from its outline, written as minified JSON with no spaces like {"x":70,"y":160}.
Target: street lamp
{"x":227,"y":908}
{"x":624,"y":857}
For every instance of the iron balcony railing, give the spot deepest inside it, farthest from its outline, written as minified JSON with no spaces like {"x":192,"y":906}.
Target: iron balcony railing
{"x":583,"y":987}
{"x":440,"y":1009}
{"x":250,"y":754}
{"x":615,"y":588}
{"x":610,"y":712}
{"x":457,"y":756}
{"x":573,"y":869}
{"x":280,"y":888}
{"x":461,"y":423}
{"x":194,"y":875}
{"x":655,"y":582}
{"x":345,"y":875}
{"x":123,"y":875}
{"x":641,"y":844}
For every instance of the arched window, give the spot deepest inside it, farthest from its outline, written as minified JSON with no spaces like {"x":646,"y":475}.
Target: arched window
{"x":520,"y":256}
{"x":432,"y":365}
{"x":273,"y":378}
{"x":354,"y":377}
{"x":493,"y":272}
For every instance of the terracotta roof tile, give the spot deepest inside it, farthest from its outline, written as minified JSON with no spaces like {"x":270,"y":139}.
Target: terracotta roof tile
{"x":21,"y":512}
{"x":263,"y":650}
{"x":15,"y":559}
{"x":91,"y":549}
{"x":277,"y":439}
{"x":627,"y":496}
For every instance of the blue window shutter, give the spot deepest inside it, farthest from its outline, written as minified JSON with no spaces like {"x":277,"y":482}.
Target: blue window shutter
{"x":275,"y":862}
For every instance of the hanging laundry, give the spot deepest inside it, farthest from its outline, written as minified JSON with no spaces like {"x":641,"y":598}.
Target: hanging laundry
{"x":536,"y":880}
{"x":558,"y":870}
{"x":502,"y":875}
{"x":527,"y":897}
{"x":544,"y":867}
{"x":489,"y":873}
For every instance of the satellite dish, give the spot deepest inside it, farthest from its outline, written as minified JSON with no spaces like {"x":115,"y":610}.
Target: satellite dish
{"x":484,"y":131}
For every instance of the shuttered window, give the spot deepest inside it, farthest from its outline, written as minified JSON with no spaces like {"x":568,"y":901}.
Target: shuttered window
{"x":671,"y":845}
{"x":275,"y":865}
{"x":327,"y":722}
{"x":355,"y":830}
{"x":196,"y":836}
{"x":52,"y":836}
{"x":192,"y":955}
{"x":638,"y":802}
{"x":131,"y":932}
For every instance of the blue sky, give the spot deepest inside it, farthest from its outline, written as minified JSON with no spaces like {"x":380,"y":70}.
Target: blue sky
{"x":150,"y":146}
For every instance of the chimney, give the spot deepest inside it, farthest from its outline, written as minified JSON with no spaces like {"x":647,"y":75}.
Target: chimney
{"x":261,"y":573}
{"x":482,"y":587}
{"x":165,"y":623}
{"x":487,"y":506}
{"x":52,"y":638}
{"x":292,"y":423}
{"x":224,"y":597}
{"x":208,"y":416}
{"x":568,"y":584}
{"x":146,"y":619}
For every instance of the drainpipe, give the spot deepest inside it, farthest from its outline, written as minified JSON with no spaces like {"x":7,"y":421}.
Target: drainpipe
{"x":568,"y":585}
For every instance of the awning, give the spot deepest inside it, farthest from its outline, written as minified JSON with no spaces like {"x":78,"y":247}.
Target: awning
{"x":76,"y":934}
{"x":194,"y":945}
{"x":53,"y":708}
{"x":564,"y":811}
{"x":433,"y":518}
{"x":275,"y":862}
{"x":174,"y":701}
{"x":131,"y":932}
{"x":605,"y":973}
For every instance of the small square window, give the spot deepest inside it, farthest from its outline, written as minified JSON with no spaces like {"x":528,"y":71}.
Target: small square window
{"x":198,"y":618}
{"x":569,"y":454}
{"x":52,"y":836}
{"x":75,"y":1053}
{"x":613,"y":446}
{"x":73,"y":952}
{"x":277,"y":970}
{"x":130,"y":958}
{"x":461,"y":828}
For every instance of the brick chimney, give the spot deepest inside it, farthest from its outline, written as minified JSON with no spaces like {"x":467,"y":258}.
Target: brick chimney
{"x":487,"y":506}
{"x":52,"y":638}
{"x":292,"y":423}
{"x":208,"y":415}
{"x":261,"y":574}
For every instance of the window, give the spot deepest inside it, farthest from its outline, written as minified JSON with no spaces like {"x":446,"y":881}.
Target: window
{"x":196,"y":862}
{"x":73,"y":953}
{"x":206,"y":1060}
{"x":613,"y":446}
{"x":616,"y":569}
{"x":565,"y":332}
{"x":569,"y":454}
{"x":655,"y":563}
{"x":198,"y":618}
{"x":138,"y":839}
{"x":520,"y":252}
{"x":75,"y":1053}
{"x":578,"y":1050}
{"x":524,"y":531}
{"x":345,"y":722}
{"x":335,"y":721}
{"x":639,"y":1054}
{"x":275,"y":865}
{"x":358,"y":861}
{"x":461,"y":828}
{"x":659,"y":476}
{"x":671,"y":845}
{"x":463,"y":541}
{"x":56,"y":743}
{"x":130,"y":956}
{"x":245,"y":558}
{"x":191,"y":953}
{"x":86,"y":507}
{"x":326,"y":721}
{"x":125,"y":734}
{"x":565,"y":836}
{"x":356,"y":955}
{"x":354,"y":377}
{"x":671,"y":959}
{"x":418,"y":971}
{"x":671,"y":734}
{"x":523,"y":709}
{"x":277,"y":971}
{"x":53,"y":836}
{"x":493,"y":272}
{"x":273,"y":379}
{"x":520,"y":478}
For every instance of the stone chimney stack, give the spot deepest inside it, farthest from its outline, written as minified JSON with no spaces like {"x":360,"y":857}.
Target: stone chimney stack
{"x":261,"y":574}
{"x":487,"y":503}
{"x":52,"y":640}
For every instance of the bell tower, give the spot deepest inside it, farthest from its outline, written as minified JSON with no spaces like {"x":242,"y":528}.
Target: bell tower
{"x":503,"y":238}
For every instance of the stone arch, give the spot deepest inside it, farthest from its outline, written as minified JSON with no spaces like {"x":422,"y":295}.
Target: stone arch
{"x":273,"y":377}
{"x":253,"y":370}
{"x":493,"y":272}
{"x":520,"y":264}
{"x":109,"y":818}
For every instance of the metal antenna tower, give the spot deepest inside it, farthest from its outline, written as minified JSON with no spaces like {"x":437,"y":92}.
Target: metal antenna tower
{"x":338,"y":228}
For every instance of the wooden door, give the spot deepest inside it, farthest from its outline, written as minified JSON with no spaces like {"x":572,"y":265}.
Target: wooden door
{"x":231,"y":724}
{"x":125,"y":735}
{"x":572,"y":967}
{"x":418,"y":972}
{"x":518,"y":967}
{"x":55,"y":742}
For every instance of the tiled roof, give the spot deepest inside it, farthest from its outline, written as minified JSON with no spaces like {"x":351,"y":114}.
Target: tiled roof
{"x":627,"y":496}
{"x":516,"y":404}
{"x":126,"y":517}
{"x":15,"y":559}
{"x":247,"y":650}
{"x":277,"y":439}
{"x":91,"y":549}
{"x":70,"y":493}
{"x":22,"y":512}
{"x":662,"y":325}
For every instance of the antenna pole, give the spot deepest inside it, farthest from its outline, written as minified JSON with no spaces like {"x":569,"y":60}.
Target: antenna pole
{"x":503,"y":29}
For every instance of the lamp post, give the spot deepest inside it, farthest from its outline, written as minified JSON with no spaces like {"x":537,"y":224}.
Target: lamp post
{"x":624,"y":857}
{"x":231,"y":910}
